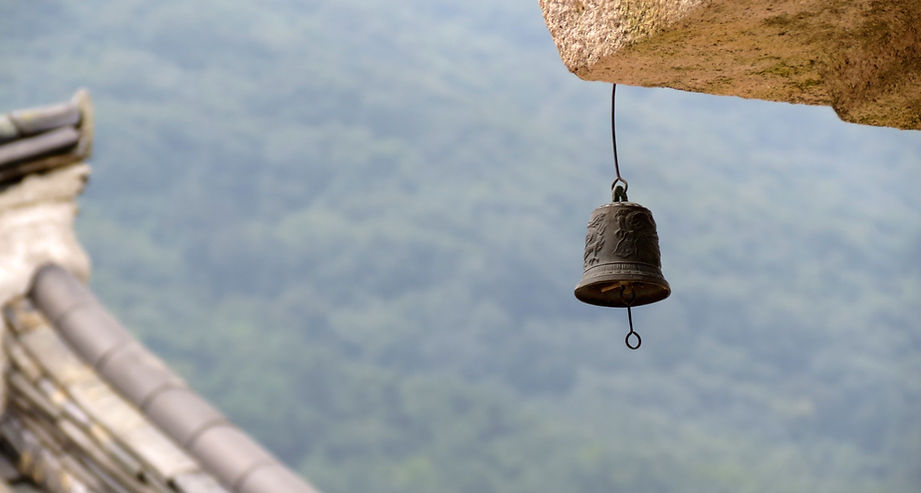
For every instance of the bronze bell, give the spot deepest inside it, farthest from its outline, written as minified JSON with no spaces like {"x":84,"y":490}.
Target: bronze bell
{"x":622,"y":260}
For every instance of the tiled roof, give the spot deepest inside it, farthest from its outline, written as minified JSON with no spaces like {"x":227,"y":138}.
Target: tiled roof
{"x":69,"y":430}
{"x":88,"y":408}
{"x":37,"y":139}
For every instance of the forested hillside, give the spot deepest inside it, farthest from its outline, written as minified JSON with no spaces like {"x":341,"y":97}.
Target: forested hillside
{"x":356,"y":227}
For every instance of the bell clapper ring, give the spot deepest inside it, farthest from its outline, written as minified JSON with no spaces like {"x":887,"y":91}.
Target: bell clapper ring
{"x":639,"y":340}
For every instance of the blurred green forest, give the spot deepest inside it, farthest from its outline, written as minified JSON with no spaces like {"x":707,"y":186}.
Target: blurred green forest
{"x":356,"y":227}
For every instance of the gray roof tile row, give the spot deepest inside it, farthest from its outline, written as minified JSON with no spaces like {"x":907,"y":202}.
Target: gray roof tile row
{"x":38,"y":139}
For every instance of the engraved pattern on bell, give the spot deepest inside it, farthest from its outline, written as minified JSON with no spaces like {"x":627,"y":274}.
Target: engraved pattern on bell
{"x":622,"y":257}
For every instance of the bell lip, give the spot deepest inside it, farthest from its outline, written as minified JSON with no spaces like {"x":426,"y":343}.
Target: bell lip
{"x":588,"y":292}
{"x":648,"y":277}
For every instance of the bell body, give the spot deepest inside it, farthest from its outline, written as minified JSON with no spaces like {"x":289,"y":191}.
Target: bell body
{"x":622,"y":260}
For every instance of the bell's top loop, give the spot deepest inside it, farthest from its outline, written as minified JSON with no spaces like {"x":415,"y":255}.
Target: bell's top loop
{"x":619,"y":192}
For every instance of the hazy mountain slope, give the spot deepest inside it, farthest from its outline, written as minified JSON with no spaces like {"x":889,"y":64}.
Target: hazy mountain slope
{"x":357,"y":228}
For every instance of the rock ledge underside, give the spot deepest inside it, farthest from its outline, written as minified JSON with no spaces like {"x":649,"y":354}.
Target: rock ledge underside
{"x":861,"y":57}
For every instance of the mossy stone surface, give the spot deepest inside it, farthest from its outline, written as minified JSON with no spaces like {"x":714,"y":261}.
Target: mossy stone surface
{"x":862,"y":57}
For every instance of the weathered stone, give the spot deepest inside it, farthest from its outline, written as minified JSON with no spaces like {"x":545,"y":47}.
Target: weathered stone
{"x":36,"y":224}
{"x":862,"y":57}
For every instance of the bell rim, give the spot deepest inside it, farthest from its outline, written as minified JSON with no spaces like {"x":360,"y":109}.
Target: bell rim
{"x":628,"y":271}
{"x":585,"y":291}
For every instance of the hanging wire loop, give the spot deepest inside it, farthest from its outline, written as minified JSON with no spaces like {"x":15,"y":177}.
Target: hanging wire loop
{"x":636,"y":335}
{"x":621,"y":195}
{"x":639,"y":340}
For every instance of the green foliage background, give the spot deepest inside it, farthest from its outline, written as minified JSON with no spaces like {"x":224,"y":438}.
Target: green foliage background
{"x":356,"y":227}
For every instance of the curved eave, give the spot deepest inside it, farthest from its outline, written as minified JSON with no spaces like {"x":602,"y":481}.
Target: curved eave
{"x":75,"y":370}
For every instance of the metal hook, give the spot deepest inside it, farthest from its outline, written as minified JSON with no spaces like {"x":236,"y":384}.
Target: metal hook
{"x":639,"y":340}
{"x":619,"y":192}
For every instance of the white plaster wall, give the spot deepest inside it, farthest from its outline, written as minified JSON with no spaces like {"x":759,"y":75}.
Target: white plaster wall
{"x":37,"y":227}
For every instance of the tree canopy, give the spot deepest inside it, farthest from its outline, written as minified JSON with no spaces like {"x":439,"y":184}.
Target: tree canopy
{"x":356,"y":227}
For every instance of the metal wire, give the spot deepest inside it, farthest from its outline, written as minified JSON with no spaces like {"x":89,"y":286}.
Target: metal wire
{"x":618,"y":179}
